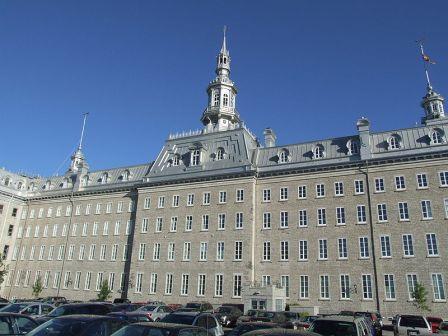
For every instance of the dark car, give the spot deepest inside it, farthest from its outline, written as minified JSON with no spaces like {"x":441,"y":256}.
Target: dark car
{"x":228,"y":315}
{"x":305,"y":321}
{"x":76,"y":308}
{"x":131,"y":317}
{"x":373,"y":321}
{"x":198,"y":319}
{"x":270,"y":316}
{"x":434,"y":322}
{"x":249,"y":317}
{"x":16,"y":324}
{"x":79,"y":325}
{"x":159,"y":328}
{"x":249,"y":326}
{"x":120,"y":300}
{"x":125,"y":307}
{"x":280,"y":332}
{"x":55,"y":300}
{"x":201,"y":306}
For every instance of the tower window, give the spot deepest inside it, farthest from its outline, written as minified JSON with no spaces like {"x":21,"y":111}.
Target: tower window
{"x":176,"y":160}
{"x":435,"y":108}
{"x":195,"y":157}
{"x":283,"y":156}
{"x":436,"y":137}
{"x":225,"y":99}
{"x":220,"y":154}
{"x":225,"y":60}
{"x":353,"y":147}
{"x":216,"y":98}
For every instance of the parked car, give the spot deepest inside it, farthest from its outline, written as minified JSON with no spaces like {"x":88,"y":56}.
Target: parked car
{"x":201,"y":306}
{"x":250,"y":316}
{"x":434,"y":322}
{"x":55,"y":300}
{"x":158,"y":328}
{"x":240,"y":306}
{"x":249,"y":326}
{"x":228,"y":315}
{"x":125,"y":307}
{"x":16,"y":324}
{"x":155,"y":313}
{"x":271,"y":316}
{"x":443,"y":328}
{"x":76,"y":308}
{"x":131,"y":317}
{"x":338,"y":325}
{"x":410,"y":325}
{"x":279,"y":332}
{"x":120,"y":300}
{"x":373,"y":321}
{"x":79,"y":325}
{"x":3,"y":300}
{"x":33,"y":309}
{"x":305,"y":322}
{"x":204,"y":320}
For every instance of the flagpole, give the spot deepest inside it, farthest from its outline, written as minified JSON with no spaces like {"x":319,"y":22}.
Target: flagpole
{"x":424,"y":64}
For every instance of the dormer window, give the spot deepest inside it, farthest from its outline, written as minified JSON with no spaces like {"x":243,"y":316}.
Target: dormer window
{"x":196,"y":157}
{"x":318,"y":152}
{"x":436,"y":137}
{"x":394,"y":142}
{"x":85,"y":181}
{"x":220,"y":154}
{"x":104,"y":178}
{"x":176,"y":160}
{"x":225,"y":99}
{"x":32,"y":186}
{"x":7,"y":181}
{"x":65,"y":183}
{"x":353,"y":147}
{"x":19,"y":185}
{"x":283,"y":156}
{"x":125,"y":176}
{"x":47,"y":185}
{"x":216,"y":98}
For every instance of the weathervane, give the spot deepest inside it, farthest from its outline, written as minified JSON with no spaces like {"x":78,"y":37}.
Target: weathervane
{"x":426,"y":60}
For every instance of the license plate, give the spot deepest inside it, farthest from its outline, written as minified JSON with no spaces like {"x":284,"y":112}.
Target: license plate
{"x":413,"y":332}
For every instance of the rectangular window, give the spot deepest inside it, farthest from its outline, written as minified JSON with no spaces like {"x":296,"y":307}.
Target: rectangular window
{"x":222,"y":197}
{"x":77,"y":210}
{"x":50,"y":252}
{"x":303,"y":250}
{"x":364,"y":247}
{"x":340,"y":216}
{"x":361,"y":214}
{"x":85,"y":227}
{"x":113,"y":255}
{"x":71,"y":252}
{"x":320,"y":190}
{"x":103,"y":251}
{"x":283,"y":219}
{"x":382,"y":212}
{"x":266,"y":195}
{"x":266,"y":251}
{"x":159,"y":224}
{"x":108,"y":207}
{"x":304,"y":287}
{"x":220,"y":251}
{"x":342,"y":248}
{"x":175,"y":201}
{"x":359,"y":187}
{"x":303,"y":218}
{"x":186,"y":253}
{"x":171,"y":251}
{"x":111,"y":281}
{"x":438,"y":287}
{"x":431,"y":245}
{"x":265,"y":280}
{"x":283,"y":193}
{"x":422,"y":181}
{"x":219,"y":278}
{"x":301,"y":192}
{"x":55,"y":231}
{"x":403,"y":211}
{"x":117,"y":228}
{"x":92,"y":252}
{"x":284,"y":250}
{"x":190,"y":199}
{"x":237,"y":285}
{"x":321,"y":216}
{"x":221,"y":221}
{"x":203,"y":251}
{"x":99,"y":280}
{"x":445,"y":205}
{"x":389,"y":286}
{"x":408,"y":245}
{"x":147,"y":203}
{"x":169,"y":284}
{"x":61,"y":252}
{"x":156,"y":252}
{"x":324,"y":287}
{"x":426,"y":209}
{"x":56,"y":279}
{"x":138,"y":283}
{"x":201,"y":284}
{"x":145,"y":222}
{"x":443,"y":177}
{"x":379,"y":185}
{"x":120,"y":207}
{"x":239,"y":220}
{"x":323,"y":249}
{"x":267,"y":219}
{"x":142,"y":251}
{"x":385,"y":247}
{"x":238,"y":250}
{"x":49,"y":212}
{"x":284,"y":282}
{"x":129,"y":227}
{"x":82,"y":249}
{"x":87,"y":282}
{"x":173,"y":225}
{"x":98,"y":209}
{"x":411,"y":282}
{"x":206,"y":198}
{"x":367,"y":287}
{"x":400,"y":183}
{"x":88,"y":209}
{"x":344,"y":281}
{"x":184,"y":284}
{"x":339,"y":189}
{"x":95,"y":229}
{"x":240,"y":195}
{"x":188,"y":223}
{"x":153,"y":283}
{"x":161,"y":202}
{"x":205,"y":222}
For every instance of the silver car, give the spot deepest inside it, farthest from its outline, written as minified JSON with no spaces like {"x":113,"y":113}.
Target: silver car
{"x":412,"y":325}
{"x":204,"y":320}
{"x":33,"y":309}
{"x":154,"y":312}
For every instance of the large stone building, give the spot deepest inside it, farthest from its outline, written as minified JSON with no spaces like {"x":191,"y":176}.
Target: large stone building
{"x":345,"y":223}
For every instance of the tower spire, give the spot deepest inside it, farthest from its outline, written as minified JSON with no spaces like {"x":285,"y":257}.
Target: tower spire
{"x":78,"y":162}
{"x":82,"y":130}
{"x":224,"y":45}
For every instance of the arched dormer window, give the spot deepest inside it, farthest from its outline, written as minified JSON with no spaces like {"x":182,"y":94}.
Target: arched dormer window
{"x":225,"y":99}
{"x":125,"y":176}
{"x":196,"y":157}
{"x":104,"y":178}
{"x":7,"y":181}
{"x":20,"y":185}
{"x":394,"y":142}
{"x":216,"y":98}
{"x":318,"y":152}
{"x":283,"y":156}
{"x":65,"y":183}
{"x":32,"y":186}
{"x":47,"y":185}
{"x":176,"y":160}
{"x":85,"y":181}
{"x":436,"y":137}
{"x":220,"y":154}
{"x":353,"y":147}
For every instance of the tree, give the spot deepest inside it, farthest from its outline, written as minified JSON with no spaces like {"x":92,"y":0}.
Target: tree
{"x":419,"y":295}
{"x":3,"y":268}
{"x":105,"y":291}
{"x":37,"y":287}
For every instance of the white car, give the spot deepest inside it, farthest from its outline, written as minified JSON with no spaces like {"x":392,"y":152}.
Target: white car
{"x":411,"y":325}
{"x":154,"y":312}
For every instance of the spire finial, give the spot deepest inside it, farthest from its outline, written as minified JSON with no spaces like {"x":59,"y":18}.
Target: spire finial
{"x":82,"y":130}
{"x":426,"y":60}
{"x":224,"y":46}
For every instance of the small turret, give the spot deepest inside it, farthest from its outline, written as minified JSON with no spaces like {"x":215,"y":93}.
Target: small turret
{"x":432,"y":103}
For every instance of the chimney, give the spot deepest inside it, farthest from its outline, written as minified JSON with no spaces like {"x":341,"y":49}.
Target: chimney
{"x":363,"y":126}
{"x":269,"y":137}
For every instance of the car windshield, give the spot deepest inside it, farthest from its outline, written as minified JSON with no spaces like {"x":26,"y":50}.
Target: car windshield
{"x":266,"y":314}
{"x":59,"y":311}
{"x":63,"y":327}
{"x":178,"y":318}
{"x":443,"y":326}
{"x":139,"y":330}
{"x":193,"y":305}
{"x":251,"y":313}
{"x":330,"y":328}
{"x":413,"y":322}
{"x":224,"y":310}
{"x":290,"y":315}
{"x":148,"y":308}
{"x":14,"y":307}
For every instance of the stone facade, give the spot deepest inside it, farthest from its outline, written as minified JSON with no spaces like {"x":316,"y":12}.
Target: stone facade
{"x":344,"y":223}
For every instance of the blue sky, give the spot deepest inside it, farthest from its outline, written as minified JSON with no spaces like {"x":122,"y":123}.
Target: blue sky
{"x":307,"y":69}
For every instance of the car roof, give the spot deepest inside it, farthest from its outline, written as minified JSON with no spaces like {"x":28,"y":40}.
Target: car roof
{"x":279,"y":331}
{"x":256,"y":323}
{"x":342,"y":318}
{"x":85,"y":317}
{"x":15,"y":314}
{"x":189,"y":313}
{"x":166,"y":325}
{"x":85,"y":304}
